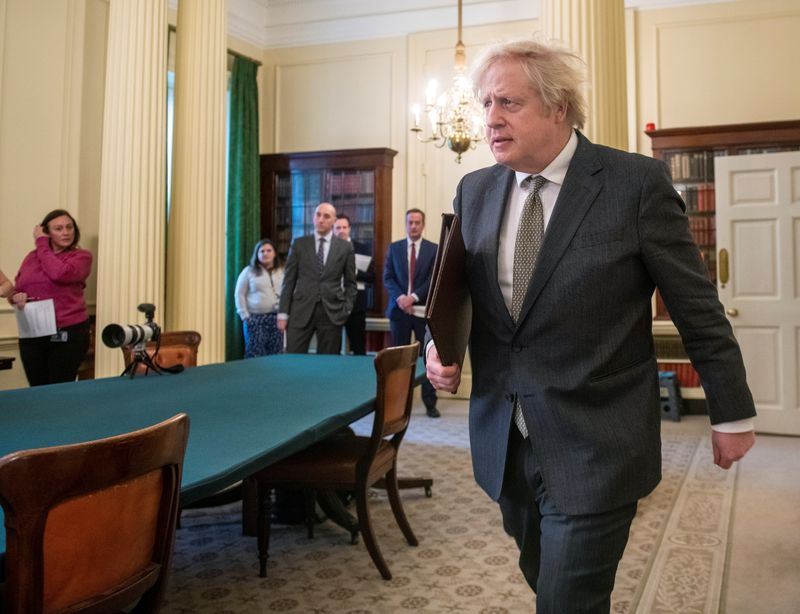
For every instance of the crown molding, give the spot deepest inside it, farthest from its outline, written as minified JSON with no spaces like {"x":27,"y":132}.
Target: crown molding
{"x":294,"y":23}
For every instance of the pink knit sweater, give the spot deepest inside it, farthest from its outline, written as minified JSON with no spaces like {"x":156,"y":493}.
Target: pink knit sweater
{"x":61,"y":277}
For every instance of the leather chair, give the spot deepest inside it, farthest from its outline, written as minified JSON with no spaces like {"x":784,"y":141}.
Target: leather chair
{"x":348,"y":463}
{"x":177,"y":347}
{"x":91,"y":526}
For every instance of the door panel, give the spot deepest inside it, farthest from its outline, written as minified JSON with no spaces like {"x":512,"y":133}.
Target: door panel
{"x":758,"y":223}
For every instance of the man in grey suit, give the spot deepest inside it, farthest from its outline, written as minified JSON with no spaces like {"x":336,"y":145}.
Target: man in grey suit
{"x":319,"y":287}
{"x":565,"y":412}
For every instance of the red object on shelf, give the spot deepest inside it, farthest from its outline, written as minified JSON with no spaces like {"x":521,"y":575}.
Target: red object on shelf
{"x":649,"y":126}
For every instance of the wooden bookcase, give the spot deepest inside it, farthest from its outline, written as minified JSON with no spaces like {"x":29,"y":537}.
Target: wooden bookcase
{"x":358,"y":182}
{"x":689,"y":153}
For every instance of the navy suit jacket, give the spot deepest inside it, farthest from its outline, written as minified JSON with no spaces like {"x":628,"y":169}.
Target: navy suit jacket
{"x":395,"y":274}
{"x":581,"y":354}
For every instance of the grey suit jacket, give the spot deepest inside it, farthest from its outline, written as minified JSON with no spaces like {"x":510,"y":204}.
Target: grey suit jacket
{"x":303,"y":286}
{"x":581,"y":355}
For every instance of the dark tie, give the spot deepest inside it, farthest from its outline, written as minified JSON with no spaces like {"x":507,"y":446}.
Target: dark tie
{"x":321,"y":255}
{"x":529,"y":239}
{"x":412,"y":267}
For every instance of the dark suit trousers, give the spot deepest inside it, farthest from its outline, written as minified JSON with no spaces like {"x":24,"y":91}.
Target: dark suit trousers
{"x":401,"y":330}
{"x":329,"y":335}
{"x":569,"y":561}
{"x":356,"y":327}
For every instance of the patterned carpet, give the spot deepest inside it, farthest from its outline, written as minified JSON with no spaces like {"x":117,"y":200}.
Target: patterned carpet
{"x":464,"y":562}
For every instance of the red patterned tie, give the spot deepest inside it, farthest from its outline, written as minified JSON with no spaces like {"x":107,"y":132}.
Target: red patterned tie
{"x":412,"y":267}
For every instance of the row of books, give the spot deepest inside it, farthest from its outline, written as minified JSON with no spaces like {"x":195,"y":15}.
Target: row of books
{"x":691,"y":166}
{"x":698,"y":197}
{"x":350,"y":183}
{"x":704,"y":230}
{"x":687,"y":376}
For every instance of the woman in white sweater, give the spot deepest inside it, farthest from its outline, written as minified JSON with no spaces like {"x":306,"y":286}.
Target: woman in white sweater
{"x":258,"y":291}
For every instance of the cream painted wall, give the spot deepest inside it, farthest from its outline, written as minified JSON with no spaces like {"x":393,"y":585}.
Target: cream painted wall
{"x":52,"y":56}
{"x":726,"y":63}
{"x":340,"y":96}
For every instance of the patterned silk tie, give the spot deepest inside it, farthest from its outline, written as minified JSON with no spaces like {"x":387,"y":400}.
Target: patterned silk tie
{"x":412,"y":268}
{"x":529,"y":239}
{"x":321,"y":255}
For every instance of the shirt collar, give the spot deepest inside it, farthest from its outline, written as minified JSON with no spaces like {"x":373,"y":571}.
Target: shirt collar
{"x":326,"y":236}
{"x":557,"y":169}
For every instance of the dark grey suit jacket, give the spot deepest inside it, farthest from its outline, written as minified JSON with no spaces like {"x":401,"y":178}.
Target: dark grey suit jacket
{"x":303,"y":286}
{"x":581,"y":355}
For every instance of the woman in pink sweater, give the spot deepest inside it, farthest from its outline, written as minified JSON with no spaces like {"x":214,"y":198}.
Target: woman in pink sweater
{"x":57,"y":269}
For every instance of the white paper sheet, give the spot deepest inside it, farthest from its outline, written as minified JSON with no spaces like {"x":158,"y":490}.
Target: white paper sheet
{"x":362,"y":262}
{"x":36,"y":319}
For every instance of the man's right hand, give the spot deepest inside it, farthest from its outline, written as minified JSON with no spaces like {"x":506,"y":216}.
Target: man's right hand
{"x":442,"y":378}
{"x":282,"y":324}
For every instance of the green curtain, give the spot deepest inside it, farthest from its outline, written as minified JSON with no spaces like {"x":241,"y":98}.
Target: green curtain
{"x":244,"y":193}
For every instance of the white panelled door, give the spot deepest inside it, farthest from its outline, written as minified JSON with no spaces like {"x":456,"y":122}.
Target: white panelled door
{"x":758,"y":224}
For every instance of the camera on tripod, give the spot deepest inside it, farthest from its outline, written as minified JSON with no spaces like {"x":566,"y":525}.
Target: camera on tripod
{"x":135,"y":335}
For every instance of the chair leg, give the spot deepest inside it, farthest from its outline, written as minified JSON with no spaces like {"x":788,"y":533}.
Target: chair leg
{"x":368,"y":534}
{"x":397,"y":507}
{"x":264,"y":527}
{"x":310,"y":501}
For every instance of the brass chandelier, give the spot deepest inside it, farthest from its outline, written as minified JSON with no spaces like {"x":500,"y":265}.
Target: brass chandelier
{"x":454,"y":116}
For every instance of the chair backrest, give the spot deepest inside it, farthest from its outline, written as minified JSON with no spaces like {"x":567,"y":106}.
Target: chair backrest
{"x":395,"y":368}
{"x":91,"y":526}
{"x":177,"y":347}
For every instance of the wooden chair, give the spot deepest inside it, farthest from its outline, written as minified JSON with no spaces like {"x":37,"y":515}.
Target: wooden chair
{"x":90,"y":527}
{"x":177,"y":347}
{"x":353,"y":463}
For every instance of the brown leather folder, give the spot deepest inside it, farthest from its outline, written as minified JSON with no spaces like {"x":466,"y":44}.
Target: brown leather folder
{"x":449,"y":308}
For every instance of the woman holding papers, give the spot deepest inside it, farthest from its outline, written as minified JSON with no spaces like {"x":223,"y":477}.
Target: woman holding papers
{"x":258,"y":291}
{"x":53,"y":277}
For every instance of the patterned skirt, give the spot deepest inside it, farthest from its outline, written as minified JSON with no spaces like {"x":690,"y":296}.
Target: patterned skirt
{"x":261,"y":335}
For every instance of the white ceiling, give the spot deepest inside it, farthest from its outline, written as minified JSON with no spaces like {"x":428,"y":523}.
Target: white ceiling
{"x":287,"y":23}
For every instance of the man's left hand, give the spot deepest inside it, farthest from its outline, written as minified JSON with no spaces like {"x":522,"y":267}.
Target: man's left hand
{"x":731,"y":447}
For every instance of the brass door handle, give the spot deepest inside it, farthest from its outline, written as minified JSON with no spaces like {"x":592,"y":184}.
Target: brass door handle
{"x":732,"y":312}
{"x":724,"y":272}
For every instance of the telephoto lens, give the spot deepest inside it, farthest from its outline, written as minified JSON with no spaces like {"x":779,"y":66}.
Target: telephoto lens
{"x":116,"y":335}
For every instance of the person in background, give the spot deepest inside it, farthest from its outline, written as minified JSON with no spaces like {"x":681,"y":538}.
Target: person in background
{"x":6,"y":287}
{"x":407,"y":276}
{"x":257,"y":295}
{"x":356,"y":325}
{"x":566,"y":242}
{"x":319,"y":287}
{"x":57,"y":269}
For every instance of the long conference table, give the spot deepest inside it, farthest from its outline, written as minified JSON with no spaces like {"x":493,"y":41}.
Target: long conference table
{"x":244,"y":415}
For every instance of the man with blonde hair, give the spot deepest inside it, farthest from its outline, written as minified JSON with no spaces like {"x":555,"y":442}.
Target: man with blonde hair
{"x":566,"y":241}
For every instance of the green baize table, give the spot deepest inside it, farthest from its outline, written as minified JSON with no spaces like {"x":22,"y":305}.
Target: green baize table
{"x":244,"y":414}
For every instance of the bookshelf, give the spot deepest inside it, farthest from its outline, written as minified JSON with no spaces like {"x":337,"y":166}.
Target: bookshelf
{"x":690,"y":153}
{"x":358,"y":182}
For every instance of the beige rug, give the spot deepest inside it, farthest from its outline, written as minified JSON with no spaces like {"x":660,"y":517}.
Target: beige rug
{"x":465,"y":562}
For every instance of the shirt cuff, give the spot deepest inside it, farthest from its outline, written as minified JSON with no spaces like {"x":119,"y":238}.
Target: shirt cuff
{"x":283,"y":316}
{"x":737,"y":426}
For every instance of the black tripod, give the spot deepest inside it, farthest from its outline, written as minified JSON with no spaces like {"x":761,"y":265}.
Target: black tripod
{"x":141,"y":357}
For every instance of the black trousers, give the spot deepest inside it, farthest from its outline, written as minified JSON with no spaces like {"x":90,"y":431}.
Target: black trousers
{"x":356,"y":327}
{"x":401,"y":330}
{"x":51,"y":360}
{"x":568,"y":560}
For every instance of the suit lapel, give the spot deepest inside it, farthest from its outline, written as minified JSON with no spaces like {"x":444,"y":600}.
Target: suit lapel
{"x":492,"y":212}
{"x":580,"y":190}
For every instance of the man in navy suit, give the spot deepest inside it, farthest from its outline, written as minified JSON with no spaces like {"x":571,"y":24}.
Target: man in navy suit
{"x":356,"y":324}
{"x":564,"y":411}
{"x":407,"y":297}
